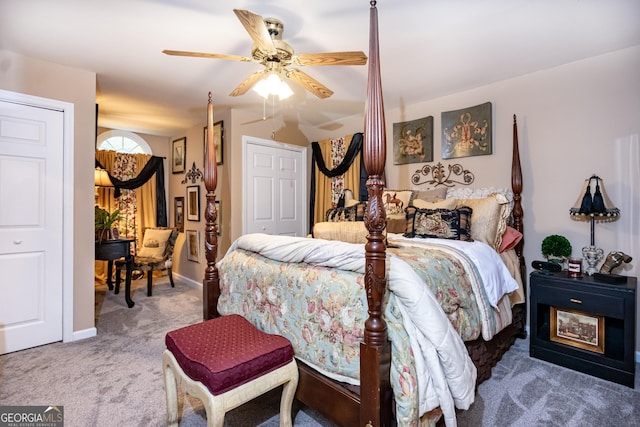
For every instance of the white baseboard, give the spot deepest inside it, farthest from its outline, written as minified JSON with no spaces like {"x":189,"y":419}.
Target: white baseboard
{"x":187,"y":280}
{"x":83,"y":334}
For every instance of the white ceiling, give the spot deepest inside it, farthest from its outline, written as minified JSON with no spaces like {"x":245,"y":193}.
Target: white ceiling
{"x":429,"y":48}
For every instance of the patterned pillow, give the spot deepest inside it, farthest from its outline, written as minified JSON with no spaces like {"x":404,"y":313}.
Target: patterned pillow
{"x":394,"y":201}
{"x":351,"y":213}
{"x":453,"y":224}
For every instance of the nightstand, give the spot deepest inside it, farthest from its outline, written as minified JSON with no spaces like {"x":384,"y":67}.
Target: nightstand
{"x":585,"y":325}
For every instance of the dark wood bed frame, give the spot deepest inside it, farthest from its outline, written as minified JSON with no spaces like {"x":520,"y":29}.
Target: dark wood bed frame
{"x":371,"y":404}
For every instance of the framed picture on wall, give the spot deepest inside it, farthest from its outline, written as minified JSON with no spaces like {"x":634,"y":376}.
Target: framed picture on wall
{"x":193,"y":245}
{"x":219,"y":218}
{"x":179,"y":155}
{"x":218,"y":140}
{"x":193,"y":203}
{"x":178,"y":213}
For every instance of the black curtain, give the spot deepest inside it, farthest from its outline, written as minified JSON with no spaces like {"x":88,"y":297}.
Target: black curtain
{"x":316,"y":159}
{"x":155,"y":165}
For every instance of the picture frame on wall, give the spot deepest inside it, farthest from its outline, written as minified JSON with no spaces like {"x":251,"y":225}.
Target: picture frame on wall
{"x":577,"y":329}
{"x":467,"y":132}
{"x":178,"y":213}
{"x":413,"y":141}
{"x":218,"y":140}
{"x":219,"y":217}
{"x":193,"y":203}
{"x":193,"y":245}
{"x":179,"y":155}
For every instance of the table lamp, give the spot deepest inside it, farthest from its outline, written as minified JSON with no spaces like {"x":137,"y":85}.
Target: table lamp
{"x":100,"y":179}
{"x":597,"y":207}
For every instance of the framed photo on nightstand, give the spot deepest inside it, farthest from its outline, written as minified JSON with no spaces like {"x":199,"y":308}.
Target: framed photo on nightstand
{"x":577,"y":329}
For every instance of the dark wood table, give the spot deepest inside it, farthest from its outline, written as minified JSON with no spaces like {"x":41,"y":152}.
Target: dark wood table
{"x":111,"y":250}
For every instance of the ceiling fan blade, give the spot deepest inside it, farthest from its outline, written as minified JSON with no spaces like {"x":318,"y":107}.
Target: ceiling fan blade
{"x":309,"y":83}
{"x":331,"y":58}
{"x":254,"y":24}
{"x":247,"y":83}
{"x":207,"y":55}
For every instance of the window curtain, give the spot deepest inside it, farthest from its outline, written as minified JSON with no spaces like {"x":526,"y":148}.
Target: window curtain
{"x":337,"y":165}
{"x":140,"y":199}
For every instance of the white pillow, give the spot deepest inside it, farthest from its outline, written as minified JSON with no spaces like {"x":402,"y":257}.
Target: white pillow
{"x":154,"y":243}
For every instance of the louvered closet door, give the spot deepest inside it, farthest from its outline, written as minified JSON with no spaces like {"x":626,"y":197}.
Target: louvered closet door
{"x":274,"y":181}
{"x":31,"y":194}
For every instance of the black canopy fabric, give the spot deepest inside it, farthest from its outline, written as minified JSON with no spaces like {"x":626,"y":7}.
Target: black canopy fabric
{"x":316,"y":159}
{"x":155,"y":165}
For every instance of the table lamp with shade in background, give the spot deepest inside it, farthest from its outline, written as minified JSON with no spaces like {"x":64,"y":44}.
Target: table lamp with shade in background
{"x":596,"y":207}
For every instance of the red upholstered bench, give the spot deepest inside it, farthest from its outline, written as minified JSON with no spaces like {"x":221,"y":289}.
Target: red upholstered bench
{"x":226,"y":362}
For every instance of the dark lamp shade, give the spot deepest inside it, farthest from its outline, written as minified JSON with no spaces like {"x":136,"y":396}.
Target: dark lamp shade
{"x":593,"y":202}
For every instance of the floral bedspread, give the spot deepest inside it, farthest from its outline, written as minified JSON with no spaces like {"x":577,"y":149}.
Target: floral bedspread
{"x":317,"y":301}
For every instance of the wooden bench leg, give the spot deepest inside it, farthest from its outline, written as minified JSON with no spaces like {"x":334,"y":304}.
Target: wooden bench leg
{"x":171,"y":389}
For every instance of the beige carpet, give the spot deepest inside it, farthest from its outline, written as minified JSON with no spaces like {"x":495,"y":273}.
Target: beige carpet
{"x":115,"y":378}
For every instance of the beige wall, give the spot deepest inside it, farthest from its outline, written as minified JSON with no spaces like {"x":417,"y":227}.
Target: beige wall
{"x":47,"y":80}
{"x":573,"y":121}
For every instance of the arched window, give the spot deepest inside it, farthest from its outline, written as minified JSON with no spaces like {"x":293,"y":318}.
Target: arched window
{"x":123,"y":142}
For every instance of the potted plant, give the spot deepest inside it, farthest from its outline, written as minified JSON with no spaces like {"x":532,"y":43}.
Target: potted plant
{"x":104,"y":221}
{"x":556,"y":248}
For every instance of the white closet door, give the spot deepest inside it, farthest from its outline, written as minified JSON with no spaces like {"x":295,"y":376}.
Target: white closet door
{"x":31,"y":233}
{"x":274,"y":187}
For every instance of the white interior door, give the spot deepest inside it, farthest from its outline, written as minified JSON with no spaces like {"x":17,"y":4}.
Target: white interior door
{"x":31,"y":194}
{"x":274,"y":182}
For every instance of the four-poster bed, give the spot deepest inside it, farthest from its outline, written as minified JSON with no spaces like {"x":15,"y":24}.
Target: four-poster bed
{"x":371,"y":403}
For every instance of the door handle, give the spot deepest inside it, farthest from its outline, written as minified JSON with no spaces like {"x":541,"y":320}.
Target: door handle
{"x":17,"y":242}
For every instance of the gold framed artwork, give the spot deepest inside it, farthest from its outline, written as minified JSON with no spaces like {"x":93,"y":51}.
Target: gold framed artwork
{"x":577,"y":329}
{"x":193,"y":203}
{"x":467,"y":132}
{"x":193,"y":245}
{"x":219,"y":217}
{"x":413,"y":141}
{"x":218,"y":140}
{"x":179,"y":155}
{"x":178,"y":213}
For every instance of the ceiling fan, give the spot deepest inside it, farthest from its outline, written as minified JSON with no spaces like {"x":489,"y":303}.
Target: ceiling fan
{"x":276,"y":55}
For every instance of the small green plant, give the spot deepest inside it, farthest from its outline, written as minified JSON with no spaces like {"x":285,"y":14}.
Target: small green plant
{"x":555,"y":246}
{"x":104,"y":221}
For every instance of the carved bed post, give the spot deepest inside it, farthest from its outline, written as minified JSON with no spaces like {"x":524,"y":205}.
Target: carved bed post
{"x":210,"y":284}
{"x":516,"y":186}
{"x":375,"y":355}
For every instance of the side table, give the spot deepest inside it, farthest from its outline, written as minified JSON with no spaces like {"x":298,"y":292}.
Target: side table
{"x":584,"y":324}
{"x":111,"y":250}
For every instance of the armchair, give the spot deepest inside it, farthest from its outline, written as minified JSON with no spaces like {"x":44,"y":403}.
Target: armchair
{"x":156,"y":254}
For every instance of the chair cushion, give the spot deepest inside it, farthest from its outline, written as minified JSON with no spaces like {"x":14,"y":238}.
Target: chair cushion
{"x":154,"y":242}
{"x":226,"y":352}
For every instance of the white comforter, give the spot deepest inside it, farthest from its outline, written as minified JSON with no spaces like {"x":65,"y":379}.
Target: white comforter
{"x":446,"y":374}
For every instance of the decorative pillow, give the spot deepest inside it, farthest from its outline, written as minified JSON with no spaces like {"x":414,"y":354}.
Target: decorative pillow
{"x":351,"y":232}
{"x":440,"y":204}
{"x":394,"y":202}
{"x":479,"y":193}
{"x":490,"y":218}
{"x":432,"y":195}
{"x":450,"y":224}
{"x":396,"y":225}
{"x":351,"y":213}
{"x":352,"y":202}
{"x":154,"y":243}
{"x":510,"y":239}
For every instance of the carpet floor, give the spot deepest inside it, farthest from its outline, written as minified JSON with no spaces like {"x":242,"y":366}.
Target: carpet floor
{"x":115,"y":378}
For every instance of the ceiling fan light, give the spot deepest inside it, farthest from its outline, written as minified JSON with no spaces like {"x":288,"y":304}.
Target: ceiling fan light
{"x":273,"y":85}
